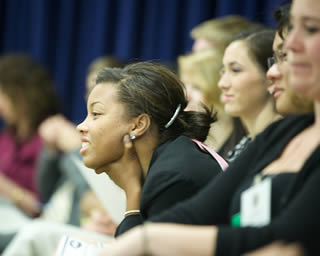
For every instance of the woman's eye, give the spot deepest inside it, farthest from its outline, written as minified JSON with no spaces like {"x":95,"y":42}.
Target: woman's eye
{"x":235,"y":70}
{"x":312,"y":30}
{"x":95,"y":114}
{"x":283,"y":56}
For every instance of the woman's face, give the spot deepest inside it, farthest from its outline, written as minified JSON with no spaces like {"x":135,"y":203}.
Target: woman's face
{"x":103,"y":129}
{"x":201,"y":44}
{"x":277,"y":75}
{"x":7,"y":111}
{"x":303,"y":43}
{"x":243,"y":85}
{"x":286,"y":98}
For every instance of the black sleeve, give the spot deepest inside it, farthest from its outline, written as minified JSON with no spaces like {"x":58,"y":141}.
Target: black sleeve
{"x":177,"y":192}
{"x":73,"y":175}
{"x":295,"y":223}
{"x":71,"y":170}
{"x":210,"y":206}
{"x":128,"y":223}
{"x":172,"y":179}
{"x":48,"y":173}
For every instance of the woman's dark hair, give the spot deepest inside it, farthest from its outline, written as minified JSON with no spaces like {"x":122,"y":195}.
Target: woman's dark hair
{"x":259,"y":42}
{"x":152,"y":89}
{"x":282,"y":17}
{"x":30,"y":87}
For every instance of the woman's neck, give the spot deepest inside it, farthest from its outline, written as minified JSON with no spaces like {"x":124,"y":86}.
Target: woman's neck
{"x":256,"y":121}
{"x":220,"y":130}
{"x":317,"y":114}
{"x":144,"y":148}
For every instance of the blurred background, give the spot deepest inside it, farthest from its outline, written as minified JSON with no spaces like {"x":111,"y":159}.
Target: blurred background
{"x":66,"y":35}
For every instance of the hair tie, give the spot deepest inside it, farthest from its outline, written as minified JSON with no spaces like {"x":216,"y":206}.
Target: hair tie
{"x":173,"y":117}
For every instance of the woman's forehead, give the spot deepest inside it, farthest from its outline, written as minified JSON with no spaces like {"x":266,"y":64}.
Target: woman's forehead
{"x":104,"y":92}
{"x":306,"y":9}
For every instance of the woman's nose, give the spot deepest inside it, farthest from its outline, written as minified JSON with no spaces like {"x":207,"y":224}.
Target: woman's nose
{"x":294,"y":40}
{"x":273,"y":72}
{"x":82,"y":127}
{"x":223,"y":83}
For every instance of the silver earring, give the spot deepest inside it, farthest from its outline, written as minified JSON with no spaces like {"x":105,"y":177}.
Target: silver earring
{"x":132,"y":137}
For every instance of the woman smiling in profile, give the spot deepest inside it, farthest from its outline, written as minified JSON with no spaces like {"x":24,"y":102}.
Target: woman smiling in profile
{"x":141,"y":108}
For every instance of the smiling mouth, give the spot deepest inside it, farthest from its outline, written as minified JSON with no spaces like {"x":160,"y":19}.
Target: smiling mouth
{"x":226,"y":97}
{"x":84,"y":147}
{"x":84,"y":144}
{"x":277,"y":92}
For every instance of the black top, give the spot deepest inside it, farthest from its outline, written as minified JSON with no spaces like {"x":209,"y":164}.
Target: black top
{"x":280,"y":184}
{"x":299,"y":217}
{"x":178,"y":169}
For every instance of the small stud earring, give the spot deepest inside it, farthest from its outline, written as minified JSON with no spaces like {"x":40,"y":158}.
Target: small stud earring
{"x":132,"y":137}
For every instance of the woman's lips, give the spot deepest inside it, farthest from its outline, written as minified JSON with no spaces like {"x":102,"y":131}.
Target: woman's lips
{"x":226,"y":97}
{"x":277,"y":92}
{"x":84,"y":146}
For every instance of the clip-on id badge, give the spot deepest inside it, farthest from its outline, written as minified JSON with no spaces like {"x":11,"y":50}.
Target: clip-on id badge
{"x":255,"y":208}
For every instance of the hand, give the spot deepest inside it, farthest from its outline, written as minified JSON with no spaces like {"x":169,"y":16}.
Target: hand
{"x":29,"y":204}
{"x":127,"y":174}
{"x":130,"y":243}
{"x":100,"y":222}
{"x":48,"y":133}
{"x":88,"y":202}
{"x":67,"y":139}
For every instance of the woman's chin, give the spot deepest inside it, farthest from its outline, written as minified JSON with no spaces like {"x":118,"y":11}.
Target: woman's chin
{"x":90,"y":165}
{"x":99,"y":170}
{"x":94,"y":166}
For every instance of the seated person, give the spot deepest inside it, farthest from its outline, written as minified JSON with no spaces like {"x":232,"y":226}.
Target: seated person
{"x":27,"y":97}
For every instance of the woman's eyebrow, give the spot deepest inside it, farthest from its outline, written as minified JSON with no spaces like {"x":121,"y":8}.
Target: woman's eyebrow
{"x":311,"y":19}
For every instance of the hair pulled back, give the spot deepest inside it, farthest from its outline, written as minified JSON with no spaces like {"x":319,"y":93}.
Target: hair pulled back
{"x":152,"y":89}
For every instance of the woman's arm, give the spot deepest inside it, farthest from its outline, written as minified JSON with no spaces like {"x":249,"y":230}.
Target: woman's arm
{"x":163,"y":240}
{"x":279,"y":249}
{"x":23,"y":198}
{"x":167,"y":198}
{"x":298,"y":222}
{"x":293,"y":225}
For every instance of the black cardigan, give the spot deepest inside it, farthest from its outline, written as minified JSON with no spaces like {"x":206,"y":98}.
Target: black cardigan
{"x":299,"y":219}
{"x":178,"y":169}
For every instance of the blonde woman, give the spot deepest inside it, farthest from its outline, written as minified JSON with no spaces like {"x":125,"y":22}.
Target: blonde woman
{"x":200,"y":73}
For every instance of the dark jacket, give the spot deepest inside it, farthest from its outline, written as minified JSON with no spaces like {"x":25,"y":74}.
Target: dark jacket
{"x":178,"y":170}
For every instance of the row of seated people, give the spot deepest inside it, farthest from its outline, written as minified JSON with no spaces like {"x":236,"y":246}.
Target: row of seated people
{"x":168,"y":177}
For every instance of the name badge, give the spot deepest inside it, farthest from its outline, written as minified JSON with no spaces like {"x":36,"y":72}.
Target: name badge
{"x":255,"y":205}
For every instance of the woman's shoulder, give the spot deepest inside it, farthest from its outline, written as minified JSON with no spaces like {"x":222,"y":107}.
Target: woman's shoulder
{"x":289,"y":125}
{"x":182,"y":157}
{"x":179,"y":161}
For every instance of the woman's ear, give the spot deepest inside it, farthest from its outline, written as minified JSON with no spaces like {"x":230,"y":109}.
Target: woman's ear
{"x":141,"y":124}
